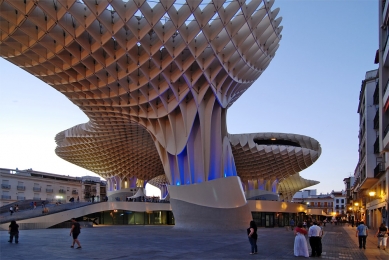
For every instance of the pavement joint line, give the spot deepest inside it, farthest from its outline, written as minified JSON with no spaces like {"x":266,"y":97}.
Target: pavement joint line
{"x":166,"y":242}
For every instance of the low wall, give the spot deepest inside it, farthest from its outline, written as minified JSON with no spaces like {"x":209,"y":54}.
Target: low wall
{"x":46,"y":221}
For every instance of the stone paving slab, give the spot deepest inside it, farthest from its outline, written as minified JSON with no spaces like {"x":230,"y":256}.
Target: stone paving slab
{"x":167,"y":242}
{"x":371,"y":251}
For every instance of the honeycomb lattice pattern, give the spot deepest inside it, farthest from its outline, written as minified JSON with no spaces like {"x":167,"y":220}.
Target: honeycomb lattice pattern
{"x":137,"y":63}
{"x":289,"y":186}
{"x":272,"y":162}
{"x":127,"y":152}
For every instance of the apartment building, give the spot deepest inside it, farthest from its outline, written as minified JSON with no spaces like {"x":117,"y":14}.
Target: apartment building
{"x":324,"y":202}
{"x":371,"y":163}
{"x":28,"y":184}
{"x":373,"y":192}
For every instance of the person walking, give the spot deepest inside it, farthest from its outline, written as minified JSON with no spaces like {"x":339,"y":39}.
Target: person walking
{"x":75,"y":231}
{"x":11,"y":210}
{"x":252,"y":233}
{"x":300,"y":243}
{"x":362,"y":234}
{"x":314,"y":234}
{"x":382,"y":235}
{"x":13,"y":232}
{"x":35,"y":205}
{"x":291,"y":224}
{"x":32,"y":204}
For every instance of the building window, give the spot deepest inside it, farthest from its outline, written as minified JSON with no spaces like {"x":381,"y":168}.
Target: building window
{"x":342,"y":200}
{"x":337,"y":200}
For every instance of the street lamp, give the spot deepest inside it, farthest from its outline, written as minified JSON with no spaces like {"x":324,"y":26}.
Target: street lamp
{"x":372,"y":193}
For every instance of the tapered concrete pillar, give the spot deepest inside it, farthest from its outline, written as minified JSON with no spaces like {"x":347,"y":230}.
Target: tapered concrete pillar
{"x":214,"y":205}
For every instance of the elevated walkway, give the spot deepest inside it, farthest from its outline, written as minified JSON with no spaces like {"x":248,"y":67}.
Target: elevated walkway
{"x":34,"y":219}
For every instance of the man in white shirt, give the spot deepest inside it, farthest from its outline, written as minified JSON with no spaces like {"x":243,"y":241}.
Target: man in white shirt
{"x":314,"y":234}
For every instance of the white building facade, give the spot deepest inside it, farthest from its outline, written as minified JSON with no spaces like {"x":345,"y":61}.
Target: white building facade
{"x":20,"y":185}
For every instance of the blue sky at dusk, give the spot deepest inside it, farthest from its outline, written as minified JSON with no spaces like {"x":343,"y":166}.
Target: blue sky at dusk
{"x":311,"y":88}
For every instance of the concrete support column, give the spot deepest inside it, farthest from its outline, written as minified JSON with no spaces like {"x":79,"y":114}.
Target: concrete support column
{"x":217,"y":204}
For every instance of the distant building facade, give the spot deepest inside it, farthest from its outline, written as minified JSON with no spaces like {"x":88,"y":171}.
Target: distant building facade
{"x":19,"y":185}
{"x":331,"y":203}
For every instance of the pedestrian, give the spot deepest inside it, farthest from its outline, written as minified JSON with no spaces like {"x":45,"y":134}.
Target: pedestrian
{"x":43,"y":204}
{"x":32,"y":204}
{"x":314,"y":234}
{"x":75,"y":231}
{"x":362,"y":234}
{"x":78,"y":199}
{"x":11,"y":210}
{"x":300,"y":243}
{"x":252,"y":233}
{"x":13,"y":232}
{"x":291,"y":223}
{"x":382,"y":235}
{"x":16,"y":207}
{"x":35,"y":205}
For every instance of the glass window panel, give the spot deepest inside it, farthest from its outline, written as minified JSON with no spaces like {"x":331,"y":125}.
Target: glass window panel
{"x":139,"y":218}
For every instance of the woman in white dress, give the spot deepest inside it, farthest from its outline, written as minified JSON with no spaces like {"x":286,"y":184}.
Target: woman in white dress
{"x":300,"y":242}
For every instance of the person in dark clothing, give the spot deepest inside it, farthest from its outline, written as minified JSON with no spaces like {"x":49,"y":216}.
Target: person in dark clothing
{"x":252,"y":233}
{"x":13,"y":232}
{"x":75,"y":231}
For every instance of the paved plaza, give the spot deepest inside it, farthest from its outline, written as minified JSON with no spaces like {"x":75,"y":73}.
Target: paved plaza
{"x":166,"y":242}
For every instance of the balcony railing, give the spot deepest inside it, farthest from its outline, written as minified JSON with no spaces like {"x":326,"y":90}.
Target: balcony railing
{"x":20,"y":198}
{"x":21,"y":187}
{"x":62,"y":191}
{"x":37,"y":189}
{"x":75,"y":192}
{"x":37,"y":198}
{"x":376,"y":96}
{"x":379,"y":170}
{"x":49,"y":190}
{"x":377,"y":145}
{"x":377,"y":120}
{"x":5,"y":186}
{"x":5,"y":197}
{"x":94,"y":190}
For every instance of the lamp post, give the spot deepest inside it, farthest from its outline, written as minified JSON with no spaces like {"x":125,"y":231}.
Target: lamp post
{"x":351,"y":219}
{"x":356,"y":209}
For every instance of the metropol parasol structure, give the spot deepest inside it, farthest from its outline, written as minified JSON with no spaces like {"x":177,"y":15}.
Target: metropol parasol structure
{"x":155,"y":79}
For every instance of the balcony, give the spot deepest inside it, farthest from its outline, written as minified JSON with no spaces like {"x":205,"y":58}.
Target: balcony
{"x":376,"y":96}
{"x":377,"y":145}
{"x":385,"y":49}
{"x":384,"y":9}
{"x":21,"y":187}
{"x":5,"y":197}
{"x":379,"y":170}
{"x":5,"y":186}
{"x":385,"y":141}
{"x":37,"y":189}
{"x":20,"y":198}
{"x":62,"y":191}
{"x":377,"y":120}
{"x":49,"y":190}
{"x":75,"y":192}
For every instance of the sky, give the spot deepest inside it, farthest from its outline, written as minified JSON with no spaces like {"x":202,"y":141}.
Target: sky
{"x":311,"y":88}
